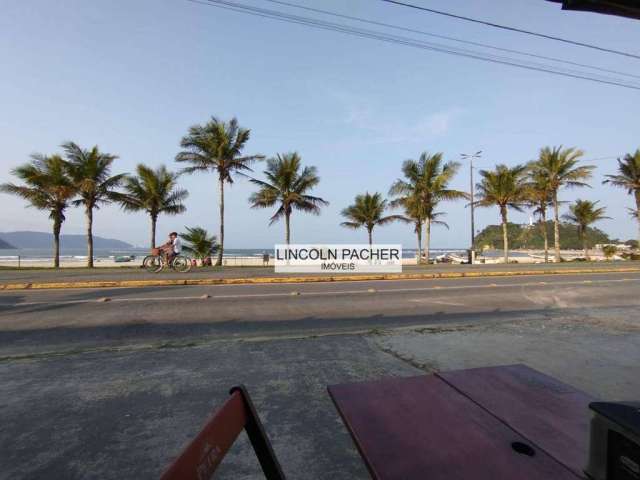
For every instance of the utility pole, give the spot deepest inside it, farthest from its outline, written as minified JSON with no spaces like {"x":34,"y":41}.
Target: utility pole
{"x":470,"y":157}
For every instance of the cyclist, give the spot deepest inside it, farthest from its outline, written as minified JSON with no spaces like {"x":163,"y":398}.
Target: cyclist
{"x":172,"y":248}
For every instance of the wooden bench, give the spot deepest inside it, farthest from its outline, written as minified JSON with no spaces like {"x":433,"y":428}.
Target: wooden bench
{"x":496,"y":423}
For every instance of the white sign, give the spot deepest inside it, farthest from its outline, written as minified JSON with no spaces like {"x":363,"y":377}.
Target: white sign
{"x":338,"y":258}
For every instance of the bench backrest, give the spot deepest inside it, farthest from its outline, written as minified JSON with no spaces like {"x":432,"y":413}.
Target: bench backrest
{"x":200,"y":459}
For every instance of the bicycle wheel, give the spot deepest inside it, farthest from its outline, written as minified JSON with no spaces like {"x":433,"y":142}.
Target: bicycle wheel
{"x":181,"y":264}
{"x":152,"y":263}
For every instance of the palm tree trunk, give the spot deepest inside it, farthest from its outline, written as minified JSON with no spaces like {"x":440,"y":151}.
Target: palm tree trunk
{"x":638,"y":246}
{"x":370,"y":231}
{"x":221,"y":249}
{"x":545,"y":235}
{"x":154,"y":221}
{"x":556,"y":226}
{"x":637,"y":193}
{"x":419,"y":234}
{"x":583,"y":234}
{"x":427,"y":239}
{"x":57,"y":224}
{"x":505,"y":236}
{"x":89,"y":215}
{"x":287,"y":227}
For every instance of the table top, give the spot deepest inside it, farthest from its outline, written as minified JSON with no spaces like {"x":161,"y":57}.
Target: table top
{"x":468,"y":424}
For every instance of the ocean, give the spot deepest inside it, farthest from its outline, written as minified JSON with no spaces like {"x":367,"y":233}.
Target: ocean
{"x":80,"y":254}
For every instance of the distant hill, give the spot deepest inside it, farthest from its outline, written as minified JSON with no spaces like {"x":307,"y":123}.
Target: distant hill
{"x":6,"y":245}
{"x":524,"y":236}
{"x":44,"y":240}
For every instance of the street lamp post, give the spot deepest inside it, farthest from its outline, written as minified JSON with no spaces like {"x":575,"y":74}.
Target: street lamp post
{"x":470,"y":157}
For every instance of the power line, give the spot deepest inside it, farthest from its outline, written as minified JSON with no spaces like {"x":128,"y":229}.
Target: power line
{"x":453,"y":39}
{"x":381,"y":36}
{"x":513,"y":29}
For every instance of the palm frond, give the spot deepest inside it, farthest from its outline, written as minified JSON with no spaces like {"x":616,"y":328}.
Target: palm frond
{"x":584,"y":213}
{"x":368,"y":211}
{"x":424,"y":186}
{"x":287,"y":186}
{"x":90,"y":170}
{"x":560,"y":166}
{"x":393,"y":218}
{"x":216,"y":146}
{"x":47,"y":185}
{"x":628,"y":176}
{"x":152,"y":190}
{"x":503,"y":187}
{"x":353,"y":225}
{"x":199,"y":243}
{"x":276,"y":216}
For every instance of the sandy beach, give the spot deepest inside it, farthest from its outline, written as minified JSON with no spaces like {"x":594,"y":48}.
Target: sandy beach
{"x":66,"y":263}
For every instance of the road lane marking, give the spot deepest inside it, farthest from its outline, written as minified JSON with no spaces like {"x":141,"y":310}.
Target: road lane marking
{"x":437,"y":302}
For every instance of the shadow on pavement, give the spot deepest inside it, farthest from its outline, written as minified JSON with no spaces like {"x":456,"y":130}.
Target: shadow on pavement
{"x":32,"y":341}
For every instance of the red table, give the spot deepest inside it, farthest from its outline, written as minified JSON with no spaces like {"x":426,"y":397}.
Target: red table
{"x":468,"y":424}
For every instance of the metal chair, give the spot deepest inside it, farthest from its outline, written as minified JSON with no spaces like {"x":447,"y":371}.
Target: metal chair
{"x":200,"y":459}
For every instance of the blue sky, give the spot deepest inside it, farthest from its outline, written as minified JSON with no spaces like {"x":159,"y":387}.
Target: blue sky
{"x":133,"y":76}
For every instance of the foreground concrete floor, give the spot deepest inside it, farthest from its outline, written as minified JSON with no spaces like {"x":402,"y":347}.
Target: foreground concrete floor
{"x":597,"y":353}
{"x":124,"y":415}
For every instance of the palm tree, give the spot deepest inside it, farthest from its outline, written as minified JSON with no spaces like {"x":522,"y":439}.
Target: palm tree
{"x":428,"y":181}
{"x":540,"y":199}
{"x":287,"y":186}
{"x":414,"y":211}
{"x":155,"y":192}
{"x":368,"y":211}
{"x":90,"y":171}
{"x":199,"y":243}
{"x":505,"y":187}
{"x":561,"y":168}
{"x":584,"y":213}
{"x":628,"y":177}
{"x":217,"y":146}
{"x":47,"y":187}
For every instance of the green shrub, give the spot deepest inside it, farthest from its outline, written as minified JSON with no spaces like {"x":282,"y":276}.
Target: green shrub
{"x":609,"y":251}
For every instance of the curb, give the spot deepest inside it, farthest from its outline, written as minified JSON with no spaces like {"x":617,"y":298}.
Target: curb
{"x":304,"y":279}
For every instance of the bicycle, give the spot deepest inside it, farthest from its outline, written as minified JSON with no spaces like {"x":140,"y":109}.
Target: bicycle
{"x":155,"y":262}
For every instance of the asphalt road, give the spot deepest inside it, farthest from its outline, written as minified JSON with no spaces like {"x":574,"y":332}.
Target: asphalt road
{"x":110,"y":384}
{"x":37,"y":322}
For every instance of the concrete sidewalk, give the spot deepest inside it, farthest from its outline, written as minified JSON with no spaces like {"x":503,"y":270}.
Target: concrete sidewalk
{"x":14,"y":279}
